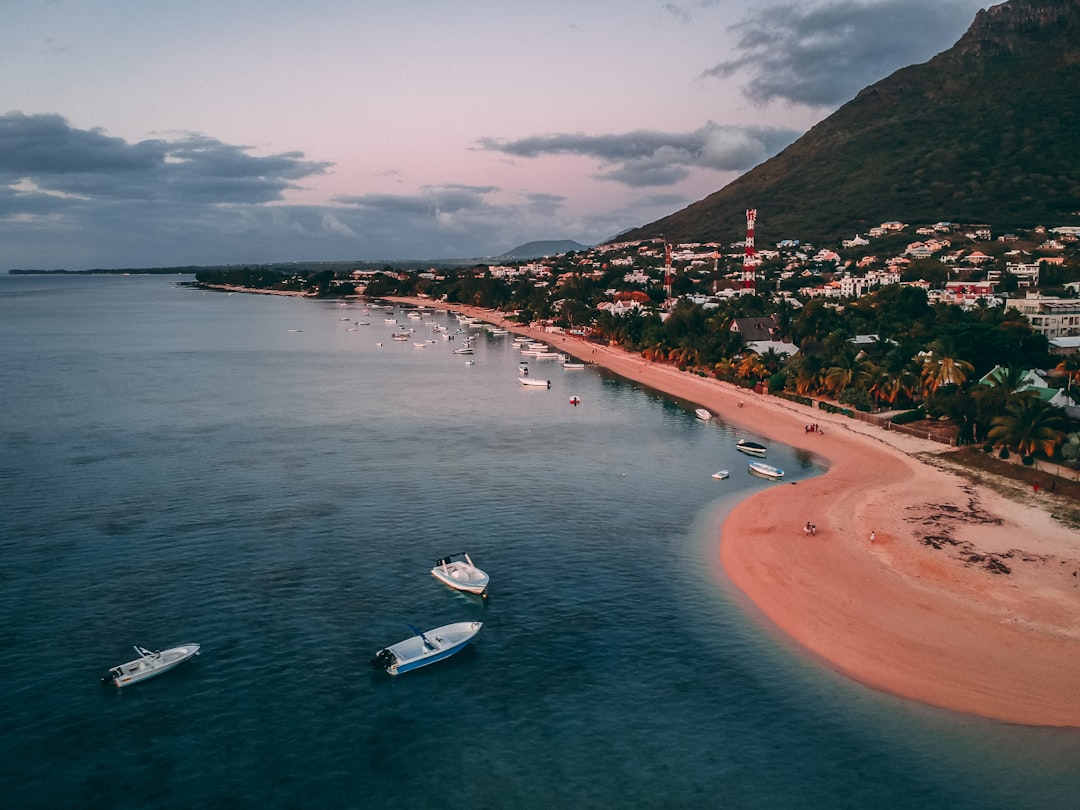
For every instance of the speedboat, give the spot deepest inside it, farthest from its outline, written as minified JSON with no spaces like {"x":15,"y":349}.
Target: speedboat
{"x":763,"y":470}
{"x":720,"y":475}
{"x":525,"y":380}
{"x":459,"y":572}
{"x":750,"y":448}
{"x":573,"y":366}
{"x":148,"y":664}
{"x":703,"y":414}
{"x":422,"y":648}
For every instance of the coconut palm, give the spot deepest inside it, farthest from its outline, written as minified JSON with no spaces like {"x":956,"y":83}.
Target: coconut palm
{"x":997,"y":390}
{"x":751,"y":367}
{"x":1029,"y":426}
{"x":941,"y":367}
{"x":807,"y":371}
{"x":848,"y":368}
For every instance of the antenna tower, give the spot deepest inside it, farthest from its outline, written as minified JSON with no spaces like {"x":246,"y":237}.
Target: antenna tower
{"x":750,"y":260}
{"x":667,"y":270}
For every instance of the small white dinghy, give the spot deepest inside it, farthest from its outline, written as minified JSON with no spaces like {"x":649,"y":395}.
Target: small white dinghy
{"x":149,"y":663}
{"x":720,"y":475}
{"x":702,"y":414}
{"x":426,"y":648}
{"x":459,"y":572}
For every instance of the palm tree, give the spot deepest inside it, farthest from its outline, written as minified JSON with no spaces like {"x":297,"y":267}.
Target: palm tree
{"x":1029,"y":426}
{"x":1070,"y":367}
{"x":999,"y":388}
{"x":807,"y":371}
{"x":942,"y":367}
{"x":750,"y":367}
{"x":655,"y":351}
{"x":847,"y":369}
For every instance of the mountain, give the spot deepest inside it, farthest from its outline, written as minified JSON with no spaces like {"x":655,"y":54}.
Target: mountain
{"x":987,"y":132}
{"x":538,"y":250}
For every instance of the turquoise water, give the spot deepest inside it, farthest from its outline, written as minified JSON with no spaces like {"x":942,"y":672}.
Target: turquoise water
{"x":183,"y":466}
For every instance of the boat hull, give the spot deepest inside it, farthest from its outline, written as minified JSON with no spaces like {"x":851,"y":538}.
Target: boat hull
{"x":149,"y":666}
{"x":461,"y":575}
{"x":534,"y":382}
{"x":751,"y":448}
{"x":426,"y":649}
{"x":766,"y":471}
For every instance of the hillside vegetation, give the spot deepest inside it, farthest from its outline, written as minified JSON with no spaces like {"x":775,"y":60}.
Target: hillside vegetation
{"x":987,"y":132}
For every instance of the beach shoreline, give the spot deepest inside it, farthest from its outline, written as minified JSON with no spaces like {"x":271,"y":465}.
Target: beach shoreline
{"x":961,"y":598}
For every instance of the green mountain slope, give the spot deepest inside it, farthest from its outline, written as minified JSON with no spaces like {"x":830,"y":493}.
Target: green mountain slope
{"x":987,"y":132}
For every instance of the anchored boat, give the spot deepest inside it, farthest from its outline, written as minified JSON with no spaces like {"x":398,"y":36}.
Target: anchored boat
{"x":751,"y":448}
{"x":459,"y":572}
{"x":149,"y":663}
{"x":425,"y":648}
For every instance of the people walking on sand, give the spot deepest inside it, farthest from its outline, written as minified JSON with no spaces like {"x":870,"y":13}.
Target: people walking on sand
{"x":806,"y":528}
{"x":873,"y":535}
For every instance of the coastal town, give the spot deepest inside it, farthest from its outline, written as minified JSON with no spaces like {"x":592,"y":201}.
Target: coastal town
{"x":945,"y":330}
{"x":943,"y":416}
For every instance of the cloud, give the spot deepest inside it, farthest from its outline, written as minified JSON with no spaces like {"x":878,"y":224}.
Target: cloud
{"x":47,"y":156}
{"x":822,"y":54}
{"x":649,"y":158}
{"x":79,"y":198}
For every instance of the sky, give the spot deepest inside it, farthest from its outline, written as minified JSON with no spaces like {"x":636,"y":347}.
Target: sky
{"x":160,"y":134}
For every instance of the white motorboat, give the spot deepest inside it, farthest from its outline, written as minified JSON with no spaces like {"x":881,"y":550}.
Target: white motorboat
{"x":763,"y":470}
{"x":459,"y":572}
{"x":750,"y":448}
{"x":720,"y":475}
{"x":573,"y":366}
{"x":535,"y":382}
{"x":149,"y":663}
{"x":425,"y":648}
{"x":703,"y":414}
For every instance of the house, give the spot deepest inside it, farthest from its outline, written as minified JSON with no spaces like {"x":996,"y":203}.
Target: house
{"x":1027,"y":274}
{"x":1034,"y":383}
{"x":755,"y":329}
{"x":858,"y":241}
{"x":968,"y":293}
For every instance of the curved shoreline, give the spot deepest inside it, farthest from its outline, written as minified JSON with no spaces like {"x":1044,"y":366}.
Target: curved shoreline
{"x":914,"y":612}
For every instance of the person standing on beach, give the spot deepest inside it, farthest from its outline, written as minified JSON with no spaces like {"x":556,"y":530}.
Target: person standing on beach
{"x":873,"y":534}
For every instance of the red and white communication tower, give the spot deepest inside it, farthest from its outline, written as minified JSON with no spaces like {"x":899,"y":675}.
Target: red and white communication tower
{"x":667,"y":270}
{"x":750,"y":260}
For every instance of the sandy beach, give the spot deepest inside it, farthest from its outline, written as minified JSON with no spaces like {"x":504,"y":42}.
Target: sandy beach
{"x":918,"y":582}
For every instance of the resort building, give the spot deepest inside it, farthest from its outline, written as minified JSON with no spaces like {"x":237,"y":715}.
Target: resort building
{"x":1050,"y":316}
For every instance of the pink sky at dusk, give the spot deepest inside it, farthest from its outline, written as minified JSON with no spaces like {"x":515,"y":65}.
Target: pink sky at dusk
{"x":256,"y":131}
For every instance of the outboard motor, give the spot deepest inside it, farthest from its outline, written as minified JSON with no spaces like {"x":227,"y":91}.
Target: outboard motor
{"x":384,"y":659}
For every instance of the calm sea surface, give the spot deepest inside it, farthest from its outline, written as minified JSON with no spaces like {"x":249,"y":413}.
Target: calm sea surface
{"x":244,"y":472}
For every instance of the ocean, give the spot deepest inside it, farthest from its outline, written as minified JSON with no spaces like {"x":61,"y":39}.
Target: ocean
{"x":255,"y":474}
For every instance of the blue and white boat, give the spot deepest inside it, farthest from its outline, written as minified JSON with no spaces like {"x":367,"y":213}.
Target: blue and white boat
{"x":424,"y":648}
